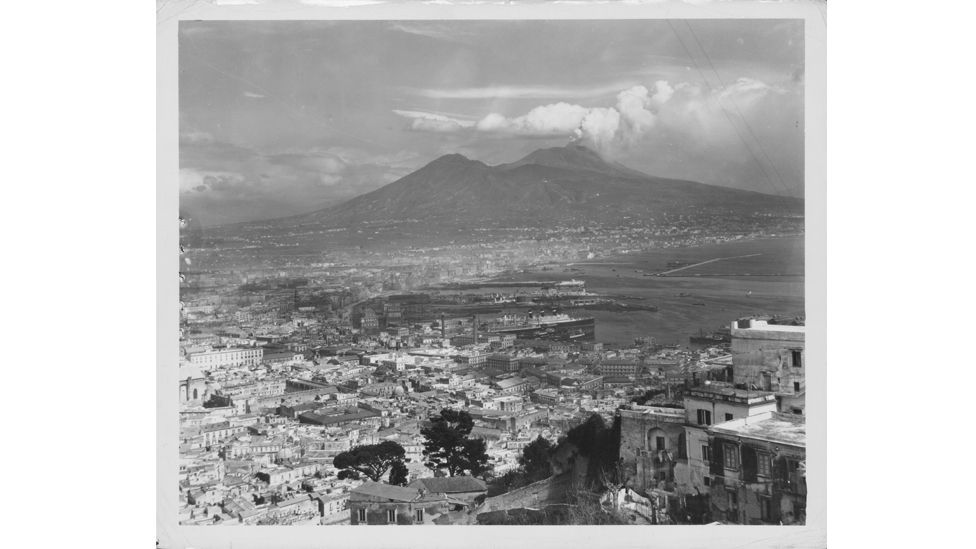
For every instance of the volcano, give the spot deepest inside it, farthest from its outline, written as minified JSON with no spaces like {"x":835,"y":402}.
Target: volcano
{"x":570,"y":184}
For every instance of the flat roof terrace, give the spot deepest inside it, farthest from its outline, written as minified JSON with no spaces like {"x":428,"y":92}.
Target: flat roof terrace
{"x":774,"y":427}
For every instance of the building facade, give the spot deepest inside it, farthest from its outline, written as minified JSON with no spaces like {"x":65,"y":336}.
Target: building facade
{"x":758,"y":470}
{"x":375,"y":503}
{"x":769,"y":357}
{"x":227,"y":358}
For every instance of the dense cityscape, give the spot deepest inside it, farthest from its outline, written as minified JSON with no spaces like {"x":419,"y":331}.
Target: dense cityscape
{"x":380,"y":391}
{"x":491,"y":272}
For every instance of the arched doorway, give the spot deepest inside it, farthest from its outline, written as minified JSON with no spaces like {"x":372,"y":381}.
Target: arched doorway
{"x":657,"y":439}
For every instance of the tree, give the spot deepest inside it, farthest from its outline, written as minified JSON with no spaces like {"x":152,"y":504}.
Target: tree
{"x":535,"y":459}
{"x":447,"y":445}
{"x":399,"y":475}
{"x":371,"y":460}
{"x":601,"y":444}
{"x":474,"y":457}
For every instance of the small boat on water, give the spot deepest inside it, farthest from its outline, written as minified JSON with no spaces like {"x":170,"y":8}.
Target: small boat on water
{"x":713,"y":339}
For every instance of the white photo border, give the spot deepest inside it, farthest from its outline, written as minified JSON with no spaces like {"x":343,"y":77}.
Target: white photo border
{"x":172,"y":535}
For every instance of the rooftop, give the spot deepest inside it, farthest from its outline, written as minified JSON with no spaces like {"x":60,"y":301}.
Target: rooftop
{"x":512,"y":382}
{"x":726,"y":392}
{"x":677,"y":414}
{"x":449,"y":485}
{"x":393,"y":493}
{"x":770,"y":426}
{"x":744,"y":326}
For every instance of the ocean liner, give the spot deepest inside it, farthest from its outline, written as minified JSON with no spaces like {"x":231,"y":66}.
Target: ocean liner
{"x":553,"y":326}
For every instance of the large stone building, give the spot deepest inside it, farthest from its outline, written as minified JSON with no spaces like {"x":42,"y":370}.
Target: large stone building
{"x":503,"y":362}
{"x":666,"y":453}
{"x":227,"y":358}
{"x":193,"y":384}
{"x":379,"y":503}
{"x":652,"y":443}
{"x":619,"y":367}
{"x":758,"y":470}
{"x":768,"y":357}
{"x":512,"y":385}
{"x":706,"y":406}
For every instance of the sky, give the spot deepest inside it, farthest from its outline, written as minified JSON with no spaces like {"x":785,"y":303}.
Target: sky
{"x":279,"y":118}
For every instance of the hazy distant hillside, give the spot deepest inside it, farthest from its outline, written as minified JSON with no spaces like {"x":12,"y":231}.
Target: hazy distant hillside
{"x":548,"y":185}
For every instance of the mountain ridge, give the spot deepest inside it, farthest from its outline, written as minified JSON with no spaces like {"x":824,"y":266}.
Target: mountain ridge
{"x":558,"y":184}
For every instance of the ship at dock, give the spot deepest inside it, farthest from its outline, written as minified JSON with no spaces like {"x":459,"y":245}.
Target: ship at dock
{"x":551,"y":325}
{"x":714,"y":339}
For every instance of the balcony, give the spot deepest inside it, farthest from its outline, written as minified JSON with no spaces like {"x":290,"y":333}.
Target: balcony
{"x":662,"y":457}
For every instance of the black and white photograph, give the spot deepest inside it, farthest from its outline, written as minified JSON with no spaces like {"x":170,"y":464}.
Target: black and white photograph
{"x":473,"y":272}
{"x":487,"y":274}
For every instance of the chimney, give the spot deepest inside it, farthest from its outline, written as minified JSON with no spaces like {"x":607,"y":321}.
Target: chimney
{"x":475,"y":329}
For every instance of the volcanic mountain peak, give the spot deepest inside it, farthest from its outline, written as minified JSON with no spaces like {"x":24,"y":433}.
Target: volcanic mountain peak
{"x":453,"y":158}
{"x":560,"y":184}
{"x":573,"y":157}
{"x":570,"y":153}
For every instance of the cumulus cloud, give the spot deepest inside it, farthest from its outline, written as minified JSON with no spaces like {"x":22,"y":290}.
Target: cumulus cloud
{"x":712,"y":134}
{"x":637,"y":112}
{"x":634,"y":105}
{"x":547,"y":120}
{"x":604,"y":128}
{"x":599,"y":128}
{"x":662,"y":91}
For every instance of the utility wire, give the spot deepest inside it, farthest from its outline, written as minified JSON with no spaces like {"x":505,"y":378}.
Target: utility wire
{"x":735,"y":128}
{"x":782,"y":184}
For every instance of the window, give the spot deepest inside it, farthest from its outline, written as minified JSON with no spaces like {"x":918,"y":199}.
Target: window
{"x":763,"y":465}
{"x":420,"y":515}
{"x":362,"y":515}
{"x":765,"y":509}
{"x":706,"y":453}
{"x":732,"y":515}
{"x":659,"y":441}
{"x":704,"y":417}
{"x":708,"y":481}
{"x":796,"y":386}
{"x":797,"y":358}
{"x":731,"y":453}
{"x":391,"y":515}
{"x":728,"y":417}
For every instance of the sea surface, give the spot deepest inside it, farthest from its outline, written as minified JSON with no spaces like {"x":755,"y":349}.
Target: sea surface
{"x":755,"y":277}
